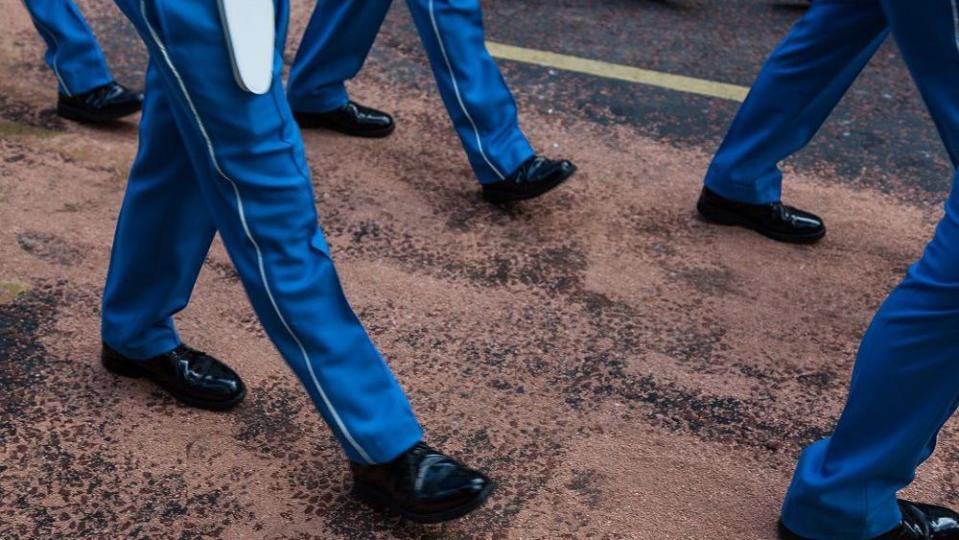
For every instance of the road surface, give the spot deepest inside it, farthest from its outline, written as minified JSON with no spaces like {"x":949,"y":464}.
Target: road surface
{"x":624,"y":370}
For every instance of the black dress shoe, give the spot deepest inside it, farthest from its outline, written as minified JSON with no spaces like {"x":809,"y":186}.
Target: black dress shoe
{"x":774,"y":220}
{"x":350,"y":119}
{"x":533,"y":178}
{"x":102,"y":104}
{"x":919,"y":522}
{"x":193,"y":377}
{"x":422,"y":485}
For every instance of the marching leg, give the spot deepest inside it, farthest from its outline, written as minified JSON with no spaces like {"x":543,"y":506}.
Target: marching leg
{"x":904,"y":386}
{"x":337,"y":41}
{"x":252,"y":172}
{"x":480,"y":104}
{"x":797,"y":88}
{"x":164,"y":225}
{"x":162,"y":238}
{"x":72,"y":51}
{"x":250,"y":167}
{"x":88,"y":92}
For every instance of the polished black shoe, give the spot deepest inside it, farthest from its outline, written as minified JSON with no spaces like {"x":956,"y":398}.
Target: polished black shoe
{"x":193,"y":377}
{"x":533,"y":178}
{"x":350,"y":119}
{"x":774,"y":220}
{"x":422,"y":485}
{"x":919,"y":522}
{"x":102,"y":104}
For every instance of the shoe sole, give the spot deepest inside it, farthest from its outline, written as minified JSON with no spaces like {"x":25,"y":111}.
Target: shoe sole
{"x":720,"y":216}
{"x":495,"y":196}
{"x":309,"y":123}
{"x":82,"y":115}
{"x":376,"y":499}
{"x":126,"y":368}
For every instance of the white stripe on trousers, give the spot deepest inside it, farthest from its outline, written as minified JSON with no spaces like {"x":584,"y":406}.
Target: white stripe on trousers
{"x":249,"y":235}
{"x":459,"y":98}
{"x":53,"y":38}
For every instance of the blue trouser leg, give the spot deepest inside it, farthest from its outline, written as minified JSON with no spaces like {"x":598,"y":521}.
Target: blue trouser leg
{"x":339,"y":37}
{"x":799,"y":85}
{"x":165,"y":226}
{"x":337,"y":41}
{"x":72,"y":51}
{"x":476,"y":96}
{"x":904,"y":386}
{"x":903,"y":389}
{"x":250,"y":170}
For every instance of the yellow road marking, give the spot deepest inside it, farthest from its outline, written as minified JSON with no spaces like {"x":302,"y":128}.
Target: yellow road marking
{"x":659,"y":79}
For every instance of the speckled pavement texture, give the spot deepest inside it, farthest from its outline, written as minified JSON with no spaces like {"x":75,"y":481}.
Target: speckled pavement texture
{"x":624,"y":370}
